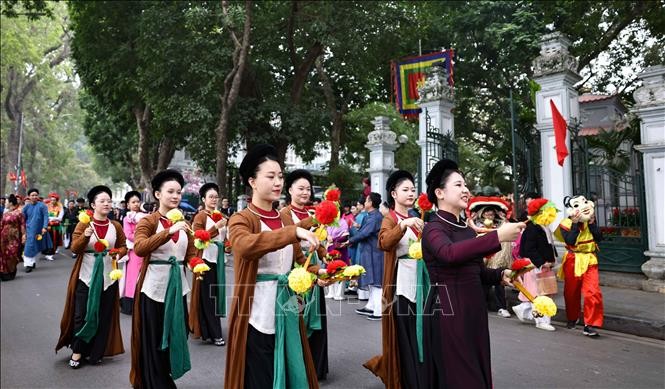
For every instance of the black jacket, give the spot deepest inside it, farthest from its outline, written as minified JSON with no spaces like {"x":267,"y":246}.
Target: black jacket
{"x":534,"y":245}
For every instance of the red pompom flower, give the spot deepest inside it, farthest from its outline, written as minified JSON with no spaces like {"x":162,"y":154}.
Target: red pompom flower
{"x":521,"y":263}
{"x":326,"y":213}
{"x":535,"y":205}
{"x":99,"y":247}
{"x":89,"y":212}
{"x":423,"y":203}
{"x":333,"y":193}
{"x":202,"y":235}
{"x":334,"y":267}
{"x":216,"y":216}
{"x":334,"y":254}
{"x":195,"y":261}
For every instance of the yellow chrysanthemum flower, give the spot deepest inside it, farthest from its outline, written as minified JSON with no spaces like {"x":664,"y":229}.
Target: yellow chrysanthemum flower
{"x":353,"y":271}
{"x":546,"y":216}
{"x":321,"y":234}
{"x":300,"y":280}
{"x":84,"y":218}
{"x":200,"y":268}
{"x":545,"y":306}
{"x":175,"y":215}
{"x":416,"y":250}
{"x":201,"y":245}
{"x":115,"y":274}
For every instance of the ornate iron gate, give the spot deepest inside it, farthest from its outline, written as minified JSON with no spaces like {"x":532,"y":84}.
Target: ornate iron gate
{"x":526,"y":168}
{"x":620,"y":205}
{"x":437,"y":146}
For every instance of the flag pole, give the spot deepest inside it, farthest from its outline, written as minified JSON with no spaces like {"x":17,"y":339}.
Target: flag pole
{"x":512,"y":132}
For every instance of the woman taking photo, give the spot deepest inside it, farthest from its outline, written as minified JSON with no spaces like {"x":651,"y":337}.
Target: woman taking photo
{"x":298,"y":186}
{"x":90,"y":323}
{"x":399,"y":366}
{"x":132,"y":262}
{"x":208,"y":294}
{"x":159,"y":325}
{"x":265,"y":248}
{"x":12,"y":233}
{"x":456,"y":309}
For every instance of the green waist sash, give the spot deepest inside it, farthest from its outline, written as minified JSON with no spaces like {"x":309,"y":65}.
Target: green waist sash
{"x":221,"y":280}
{"x":89,"y":329}
{"x":312,"y":311}
{"x":174,"y":333}
{"x":289,"y":371}
{"x":422,"y":288}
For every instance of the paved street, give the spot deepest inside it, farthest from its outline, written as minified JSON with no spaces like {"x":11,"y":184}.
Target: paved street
{"x":523,"y":357}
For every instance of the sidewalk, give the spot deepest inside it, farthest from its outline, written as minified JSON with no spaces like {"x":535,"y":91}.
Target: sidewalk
{"x":626,"y":310}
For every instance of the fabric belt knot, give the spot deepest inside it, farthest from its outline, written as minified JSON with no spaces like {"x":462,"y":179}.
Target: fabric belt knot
{"x":288,"y":372}
{"x":174,"y":333}
{"x":422,"y":289}
{"x":312,"y":311}
{"x":221,"y":280}
{"x":89,"y":329}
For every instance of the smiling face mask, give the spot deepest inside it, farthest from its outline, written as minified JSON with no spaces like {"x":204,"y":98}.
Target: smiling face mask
{"x":581,"y":207}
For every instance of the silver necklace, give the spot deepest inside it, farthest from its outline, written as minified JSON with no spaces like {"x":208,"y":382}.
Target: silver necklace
{"x":449,"y":222}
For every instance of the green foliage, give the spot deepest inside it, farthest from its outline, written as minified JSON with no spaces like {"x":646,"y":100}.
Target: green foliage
{"x":359,"y":124}
{"x":346,"y":179}
{"x":31,"y":9}
{"x":53,"y":152}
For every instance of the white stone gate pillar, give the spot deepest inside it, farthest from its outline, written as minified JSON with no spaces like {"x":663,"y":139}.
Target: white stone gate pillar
{"x":650,"y":108}
{"x":437,"y":101}
{"x":382,"y":145}
{"x":555,"y":72}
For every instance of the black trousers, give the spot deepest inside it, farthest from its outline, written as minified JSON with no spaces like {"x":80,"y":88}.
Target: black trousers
{"x":496,"y":299}
{"x":155,"y":363}
{"x":259,"y":360}
{"x":413,"y":374}
{"x":211,"y":326}
{"x":97,"y":345}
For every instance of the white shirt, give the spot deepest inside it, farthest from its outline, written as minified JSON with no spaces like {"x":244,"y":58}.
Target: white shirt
{"x":157,"y":276}
{"x":85,"y":274}
{"x":262,"y":316}
{"x":407,"y":276}
{"x":210,"y":253}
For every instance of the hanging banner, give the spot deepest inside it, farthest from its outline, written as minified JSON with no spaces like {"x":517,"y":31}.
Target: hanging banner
{"x":409,"y":73}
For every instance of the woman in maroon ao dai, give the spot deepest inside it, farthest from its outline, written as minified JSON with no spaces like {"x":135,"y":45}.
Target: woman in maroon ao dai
{"x":455,"y":324}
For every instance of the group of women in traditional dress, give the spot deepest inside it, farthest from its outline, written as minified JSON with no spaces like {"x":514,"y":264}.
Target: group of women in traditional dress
{"x":434,"y":317}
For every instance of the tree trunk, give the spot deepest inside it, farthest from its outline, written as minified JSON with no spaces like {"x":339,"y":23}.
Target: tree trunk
{"x":230,"y":92}
{"x":143,"y":124}
{"x":336,"y":115}
{"x":166,"y":152}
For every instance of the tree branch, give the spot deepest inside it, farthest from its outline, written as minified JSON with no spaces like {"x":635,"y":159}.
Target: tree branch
{"x":612,"y":32}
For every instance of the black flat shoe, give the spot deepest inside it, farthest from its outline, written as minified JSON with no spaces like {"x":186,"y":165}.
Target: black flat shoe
{"x":219,"y":342}
{"x":28,"y":269}
{"x":74,"y":364}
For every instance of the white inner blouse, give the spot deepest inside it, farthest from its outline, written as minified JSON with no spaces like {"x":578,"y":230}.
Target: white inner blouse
{"x":85,"y":274}
{"x":157,"y":276}
{"x":210,"y":253}
{"x":407,"y":276}
{"x":262,"y":316}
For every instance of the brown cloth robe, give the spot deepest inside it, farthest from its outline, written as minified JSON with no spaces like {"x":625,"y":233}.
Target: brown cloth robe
{"x":147,"y":240}
{"x":199,"y":223}
{"x":387,"y":366}
{"x":79,"y":243}
{"x":249,"y":245}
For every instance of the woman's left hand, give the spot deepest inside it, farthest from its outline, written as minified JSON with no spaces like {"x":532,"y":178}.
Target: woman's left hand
{"x":505,"y":278}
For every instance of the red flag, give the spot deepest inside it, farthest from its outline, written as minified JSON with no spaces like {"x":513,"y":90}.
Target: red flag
{"x":24,"y":179}
{"x":560,"y":128}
